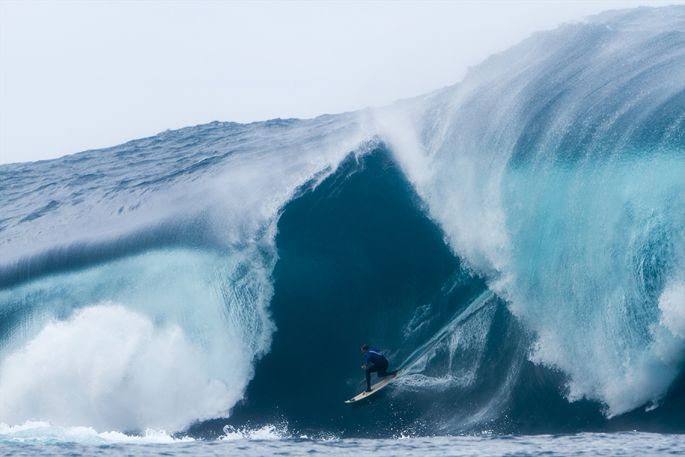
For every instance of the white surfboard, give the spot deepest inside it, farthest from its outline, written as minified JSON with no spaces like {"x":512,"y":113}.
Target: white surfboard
{"x":374,"y":388}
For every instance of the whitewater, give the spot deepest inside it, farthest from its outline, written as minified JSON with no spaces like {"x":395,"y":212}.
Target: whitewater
{"x":515,"y":242}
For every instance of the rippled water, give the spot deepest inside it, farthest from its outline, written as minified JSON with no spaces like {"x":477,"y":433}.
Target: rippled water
{"x":585,"y":444}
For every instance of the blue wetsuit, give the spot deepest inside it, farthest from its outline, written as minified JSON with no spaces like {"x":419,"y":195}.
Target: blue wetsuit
{"x":375,"y":362}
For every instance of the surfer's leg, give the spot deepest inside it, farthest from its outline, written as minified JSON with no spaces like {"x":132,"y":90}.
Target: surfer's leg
{"x":370,"y":369}
{"x":383,"y":366}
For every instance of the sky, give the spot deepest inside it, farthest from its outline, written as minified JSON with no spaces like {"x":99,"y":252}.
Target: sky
{"x":78,"y":75}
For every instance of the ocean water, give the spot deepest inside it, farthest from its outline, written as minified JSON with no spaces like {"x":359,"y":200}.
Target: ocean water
{"x":583,"y":444}
{"x":515,"y":243}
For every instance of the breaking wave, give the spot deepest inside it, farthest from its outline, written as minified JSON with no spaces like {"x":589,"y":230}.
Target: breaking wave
{"x":516,"y":242}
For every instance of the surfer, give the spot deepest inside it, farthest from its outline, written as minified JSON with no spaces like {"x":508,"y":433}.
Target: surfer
{"x":374,"y":361}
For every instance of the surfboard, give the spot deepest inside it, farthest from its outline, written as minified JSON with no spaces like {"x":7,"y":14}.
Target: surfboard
{"x":374,"y":388}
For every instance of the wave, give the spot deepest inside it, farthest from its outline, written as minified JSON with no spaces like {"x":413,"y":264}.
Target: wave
{"x":556,"y":169}
{"x":514,"y":241}
{"x":184,"y":252}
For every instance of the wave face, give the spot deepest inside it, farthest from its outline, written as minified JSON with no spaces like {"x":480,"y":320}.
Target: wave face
{"x":516,"y":242}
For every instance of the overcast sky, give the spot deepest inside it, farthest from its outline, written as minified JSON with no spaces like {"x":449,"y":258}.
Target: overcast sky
{"x":80,"y":75}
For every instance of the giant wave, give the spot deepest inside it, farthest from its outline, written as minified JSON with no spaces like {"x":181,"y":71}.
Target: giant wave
{"x":517,"y":241}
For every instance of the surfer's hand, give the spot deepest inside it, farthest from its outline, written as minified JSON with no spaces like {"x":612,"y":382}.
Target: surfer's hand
{"x":363,"y":367}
